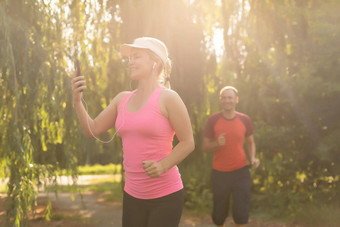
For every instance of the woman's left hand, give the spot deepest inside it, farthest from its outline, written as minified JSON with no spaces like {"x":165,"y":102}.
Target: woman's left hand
{"x":153,"y":168}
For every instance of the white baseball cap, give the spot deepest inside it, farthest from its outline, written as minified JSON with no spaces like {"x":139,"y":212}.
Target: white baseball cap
{"x":155,"y":45}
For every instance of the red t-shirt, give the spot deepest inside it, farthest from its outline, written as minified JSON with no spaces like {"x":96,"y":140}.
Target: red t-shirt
{"x":230,"y":156}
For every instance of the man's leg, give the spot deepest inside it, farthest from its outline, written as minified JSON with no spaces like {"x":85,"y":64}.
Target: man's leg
{"x":221,"y":195}
{"x":241,"y":197}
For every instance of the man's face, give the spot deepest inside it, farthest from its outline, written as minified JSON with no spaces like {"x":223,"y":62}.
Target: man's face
{"x":228,"y":100}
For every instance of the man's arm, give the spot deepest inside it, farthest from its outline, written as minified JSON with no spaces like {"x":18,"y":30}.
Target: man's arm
{"x":251,"y":147}
{"x":210,"y":144}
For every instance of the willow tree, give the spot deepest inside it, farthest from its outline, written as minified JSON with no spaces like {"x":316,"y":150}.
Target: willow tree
{"x":39,"y":132}
{"x":34,"y":106}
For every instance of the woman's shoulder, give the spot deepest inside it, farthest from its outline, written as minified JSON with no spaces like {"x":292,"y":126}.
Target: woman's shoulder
{"x":120,"y":96}
{"x":170,"y":99}
{"x":168,"y":94}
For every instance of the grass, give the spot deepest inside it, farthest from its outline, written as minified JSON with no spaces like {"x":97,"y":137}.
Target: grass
{"x":112,"y":189}
{"x":308,"y":213}
{"x":100,"y":169}
{"x":3,"y":187}
{"x":319,"y":214}
{"x":96,"y":169}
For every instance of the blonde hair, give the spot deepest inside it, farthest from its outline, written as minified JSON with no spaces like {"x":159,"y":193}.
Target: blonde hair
{"x":229,"y":88}
{"x":165,"y":70}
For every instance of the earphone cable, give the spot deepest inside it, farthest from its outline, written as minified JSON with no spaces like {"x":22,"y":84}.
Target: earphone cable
{"x":88,"y":123}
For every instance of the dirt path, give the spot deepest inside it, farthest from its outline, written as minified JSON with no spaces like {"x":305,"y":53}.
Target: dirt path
{"x":73,"y":211}
{"x":93,"y":211}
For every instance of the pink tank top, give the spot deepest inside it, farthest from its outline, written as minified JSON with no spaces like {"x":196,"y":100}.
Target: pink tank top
{"x":146,"y":135}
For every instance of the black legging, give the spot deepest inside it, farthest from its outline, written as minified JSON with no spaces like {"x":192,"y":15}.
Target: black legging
{"x":160,"y":212}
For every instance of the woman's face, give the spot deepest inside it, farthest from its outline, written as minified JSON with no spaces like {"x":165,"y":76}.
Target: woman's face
{"x":140,"y":64}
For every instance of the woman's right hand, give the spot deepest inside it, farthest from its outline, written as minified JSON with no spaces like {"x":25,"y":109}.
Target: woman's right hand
{"x":78,"y":85}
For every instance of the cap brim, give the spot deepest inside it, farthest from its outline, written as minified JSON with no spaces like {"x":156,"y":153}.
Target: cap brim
{"x":125,"y":49}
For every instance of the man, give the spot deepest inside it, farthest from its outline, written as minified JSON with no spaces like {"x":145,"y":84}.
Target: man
{"x":225,"y":134}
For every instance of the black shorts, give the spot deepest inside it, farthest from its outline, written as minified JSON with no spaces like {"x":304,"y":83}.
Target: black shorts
{"x":235,"y":184}
{"x":165,"y":211}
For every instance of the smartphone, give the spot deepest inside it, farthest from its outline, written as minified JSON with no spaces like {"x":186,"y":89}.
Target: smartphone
{"x":78,"y":71}
{"x":77,"y":67}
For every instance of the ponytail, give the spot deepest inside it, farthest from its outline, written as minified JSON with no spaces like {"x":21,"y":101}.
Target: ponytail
{"x":162,"y":68}
{"x":167,"y":72}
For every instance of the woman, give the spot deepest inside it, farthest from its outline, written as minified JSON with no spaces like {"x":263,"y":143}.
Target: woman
{"x":146,"y":119}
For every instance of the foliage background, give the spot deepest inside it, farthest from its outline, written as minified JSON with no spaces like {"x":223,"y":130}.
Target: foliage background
{"x":281,"y":55}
